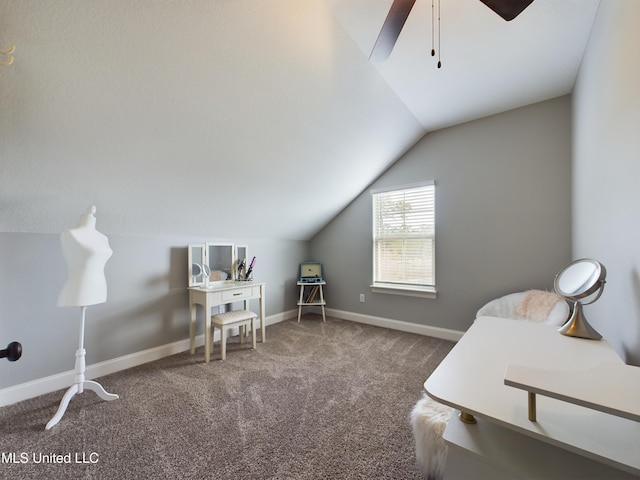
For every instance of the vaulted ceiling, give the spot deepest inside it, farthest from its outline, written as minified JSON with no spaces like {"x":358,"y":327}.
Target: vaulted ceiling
{"x":246,"y":118}
{"x":489,"y":65}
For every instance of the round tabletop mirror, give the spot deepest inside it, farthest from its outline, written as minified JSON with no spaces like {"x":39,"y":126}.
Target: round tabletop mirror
{"x":207,"y":273}
{"x":196,"y":270}
{"x":578,"y":280}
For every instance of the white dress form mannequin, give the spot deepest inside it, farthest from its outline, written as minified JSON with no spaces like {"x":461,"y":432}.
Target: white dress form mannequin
{"x":86,"y":251}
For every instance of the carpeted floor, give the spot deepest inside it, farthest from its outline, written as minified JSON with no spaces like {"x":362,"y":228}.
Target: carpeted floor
{"x":317,"y":401}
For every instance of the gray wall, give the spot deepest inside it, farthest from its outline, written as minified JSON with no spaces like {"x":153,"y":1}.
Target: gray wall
{"x":147,"y":304}
{"x":503,"y":217}
{"x":606,"y":200}
{"x":160,"y":111}
{"x":503,"y":224}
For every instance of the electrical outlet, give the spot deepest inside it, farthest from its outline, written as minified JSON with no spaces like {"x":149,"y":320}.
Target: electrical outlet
{"x":362,"y":298}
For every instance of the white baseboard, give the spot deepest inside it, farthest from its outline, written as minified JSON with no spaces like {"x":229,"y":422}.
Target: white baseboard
{"x":429,"y":331}
{"x":62,"y":380}
{"x":58,"y":381}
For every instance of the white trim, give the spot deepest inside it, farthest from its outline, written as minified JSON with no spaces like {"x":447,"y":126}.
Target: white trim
{"x":58,"y":381}
{"x":424,"y":194}
{"x":407,"y":186}
{"x":406,"y":290}
{"x":38,"y":387}
{"x":427,"y":330}
{"x":34,"y":388}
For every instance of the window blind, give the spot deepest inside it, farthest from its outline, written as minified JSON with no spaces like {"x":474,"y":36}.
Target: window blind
{"x":404,"y":235}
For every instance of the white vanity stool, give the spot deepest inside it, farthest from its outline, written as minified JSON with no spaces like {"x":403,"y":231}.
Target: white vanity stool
{"x":234,"y":318}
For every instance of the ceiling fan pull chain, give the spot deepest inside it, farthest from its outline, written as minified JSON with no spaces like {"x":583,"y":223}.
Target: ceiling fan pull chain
{"x":439,"y":43}
{"x":433,"y":51}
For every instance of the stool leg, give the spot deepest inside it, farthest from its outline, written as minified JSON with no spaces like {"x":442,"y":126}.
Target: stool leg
{"x":241,"y":329}
{"x":253,"y":333}
{"x":213,"y":336}
{"x":223,"y":341}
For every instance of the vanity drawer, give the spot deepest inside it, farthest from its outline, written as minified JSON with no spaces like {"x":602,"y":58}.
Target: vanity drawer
{"x":240,"y":293}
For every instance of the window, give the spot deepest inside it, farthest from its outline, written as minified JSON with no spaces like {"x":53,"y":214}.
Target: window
{"x":404,"y":239}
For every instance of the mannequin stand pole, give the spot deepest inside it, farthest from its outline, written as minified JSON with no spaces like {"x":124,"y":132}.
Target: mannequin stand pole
{"x":80,"y":383}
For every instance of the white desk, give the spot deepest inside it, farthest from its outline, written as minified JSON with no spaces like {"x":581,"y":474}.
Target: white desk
{"x":610,"y":387}
{"x":471,"y":379}
{"x":221,"y":294}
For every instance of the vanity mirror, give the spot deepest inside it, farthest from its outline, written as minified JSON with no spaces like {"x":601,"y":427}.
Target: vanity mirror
{"x":576,"y":282}
{"x":206,"y":274}
{"x":195,"y":262}
{"x":220,"y":258}
{"x":242,"y":262}
{"x":196,"y":272}
{"x":210,"y":263}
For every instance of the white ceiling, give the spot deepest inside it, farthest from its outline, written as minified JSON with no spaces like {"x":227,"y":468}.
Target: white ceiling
{"x":246,"y":118}
{"x":488,"y":65}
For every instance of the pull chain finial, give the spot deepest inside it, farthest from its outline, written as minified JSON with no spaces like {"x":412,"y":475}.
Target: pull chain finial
{"x":8,"y":52}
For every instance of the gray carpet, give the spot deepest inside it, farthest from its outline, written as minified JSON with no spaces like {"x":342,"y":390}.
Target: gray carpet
{"x":317,"y":401}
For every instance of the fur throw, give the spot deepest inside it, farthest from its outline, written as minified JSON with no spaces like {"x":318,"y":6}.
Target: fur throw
{"x":532,"y":305}
{"x":537,"y":305}
{"x":428,"y":420}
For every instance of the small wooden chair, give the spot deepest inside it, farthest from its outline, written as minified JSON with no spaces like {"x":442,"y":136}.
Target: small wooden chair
{"x":234,"y":318}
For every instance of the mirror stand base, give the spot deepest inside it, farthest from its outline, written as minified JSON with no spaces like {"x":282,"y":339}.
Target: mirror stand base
{"x":577,"y":325}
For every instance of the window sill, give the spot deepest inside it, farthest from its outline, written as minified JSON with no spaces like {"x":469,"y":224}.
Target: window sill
{"x":410,"y":291}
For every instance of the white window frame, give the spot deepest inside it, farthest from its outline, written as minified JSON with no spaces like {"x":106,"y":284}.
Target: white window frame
{"x":426,"y":287}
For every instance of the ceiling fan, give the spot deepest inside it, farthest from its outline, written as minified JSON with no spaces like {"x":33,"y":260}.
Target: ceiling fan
{"x":400,"y":9}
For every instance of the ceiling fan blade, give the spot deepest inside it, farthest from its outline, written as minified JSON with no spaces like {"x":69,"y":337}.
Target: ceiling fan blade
{"x":507,"y":9}
{"x":391,"y":28}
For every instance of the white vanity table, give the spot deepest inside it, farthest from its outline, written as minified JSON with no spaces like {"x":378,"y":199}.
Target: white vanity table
{"x":224,"y":261}
{"x":221,"y":294}
{"x":567,"y":440}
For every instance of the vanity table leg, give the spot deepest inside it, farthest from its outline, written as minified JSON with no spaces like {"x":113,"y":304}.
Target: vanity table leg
{"x":192,"y":325}
{"x":207,"y":330}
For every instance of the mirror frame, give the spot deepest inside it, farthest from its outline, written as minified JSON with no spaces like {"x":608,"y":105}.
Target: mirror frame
{"x":577,"y":324}
{"x":228,"y":262}
{"x":241,"y":253}
{"x":203,"y":251}
{"x":190,"y":259}
{"x":597,"y":280}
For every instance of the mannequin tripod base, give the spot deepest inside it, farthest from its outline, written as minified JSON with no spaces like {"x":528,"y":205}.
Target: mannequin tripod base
{"x":80,"y":383}
{"x":79,"y":388}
